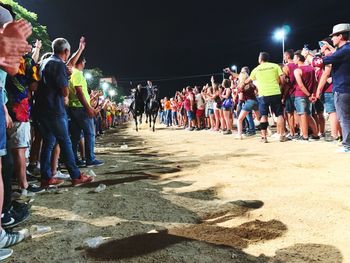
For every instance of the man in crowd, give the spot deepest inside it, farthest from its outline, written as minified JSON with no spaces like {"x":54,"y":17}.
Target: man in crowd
{"x":340,"y":61}
{"x":81,"y":114}
{"x":305,"y":87}
{"x":269,"y":78}
{"x":53,"y":122}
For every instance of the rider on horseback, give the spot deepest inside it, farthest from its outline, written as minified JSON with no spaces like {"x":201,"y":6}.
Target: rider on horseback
{"x":150,"y":93}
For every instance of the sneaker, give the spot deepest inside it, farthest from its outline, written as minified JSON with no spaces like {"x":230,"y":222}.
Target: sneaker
{"x":61,"y":176}
{"x":52,"y":182}
{"x":227,"y":132}
{"x":314,"y":138}
{"x":284,"y":139}
{"x":83,"y":179}
{"x":302,"y":139}
{"x":95,"y":163}
{"x":264,"y":140}
{"x":81,"y":163}
{"x":19,"y":214}
{"x":33,"y":170}
{"x":5,"y":253}
{"x":343,"y":150}
{"x":33,"y":188}
{"x":8,"y":239}
{"x":6,"y":219}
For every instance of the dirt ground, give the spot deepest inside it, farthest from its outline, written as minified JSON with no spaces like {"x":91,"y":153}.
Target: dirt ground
{"x":204,"y":197}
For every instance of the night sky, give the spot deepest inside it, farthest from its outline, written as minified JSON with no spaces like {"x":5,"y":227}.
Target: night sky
{"x":139,"y":40}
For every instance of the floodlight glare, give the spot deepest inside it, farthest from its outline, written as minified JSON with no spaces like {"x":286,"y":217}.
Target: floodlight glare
{"x":88,"y":75}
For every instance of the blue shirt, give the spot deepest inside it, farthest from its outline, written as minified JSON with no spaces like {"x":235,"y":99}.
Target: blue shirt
{"x":3,"y":75}
{"x":54,"y":78}
{"x":340,"y":61}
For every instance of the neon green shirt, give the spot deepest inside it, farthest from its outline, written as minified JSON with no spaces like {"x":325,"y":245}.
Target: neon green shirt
{"x":77,"y":79}
{"x":267,"y":76}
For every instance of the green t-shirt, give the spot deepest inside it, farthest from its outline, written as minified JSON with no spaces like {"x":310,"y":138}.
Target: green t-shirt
{"x":267,"y":75}
{"x":77,"y":79}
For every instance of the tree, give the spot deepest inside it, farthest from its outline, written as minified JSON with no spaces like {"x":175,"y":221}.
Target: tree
{"x":39,"y":31}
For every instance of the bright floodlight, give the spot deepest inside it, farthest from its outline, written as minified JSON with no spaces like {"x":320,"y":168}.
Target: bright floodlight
{"x":234,"y":68}
{"x":111,"y":92}
{"x":88,"y":75}
{"x":105,"y":86}
{"x":280,"y":34}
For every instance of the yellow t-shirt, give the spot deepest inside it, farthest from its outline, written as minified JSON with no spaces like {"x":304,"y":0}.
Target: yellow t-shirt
{"x":267,"y":75}
{"x":77,"y":79}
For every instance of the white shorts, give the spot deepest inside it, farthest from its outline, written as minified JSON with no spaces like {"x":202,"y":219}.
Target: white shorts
{"x":19,"y":135}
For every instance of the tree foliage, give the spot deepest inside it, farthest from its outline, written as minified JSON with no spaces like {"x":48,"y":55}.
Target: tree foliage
{"x":39,"y":31}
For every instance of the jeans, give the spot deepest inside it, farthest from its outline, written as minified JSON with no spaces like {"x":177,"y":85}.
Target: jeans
{"x":168,"y":121}
{"x":342,"y":105}
{"x":2,"y":125}
{"x":161,"y":114}
{"x":80,"y":121}
{"x":251,"y":123}
{"x":54,"y":128}
{"x":174,"y":117}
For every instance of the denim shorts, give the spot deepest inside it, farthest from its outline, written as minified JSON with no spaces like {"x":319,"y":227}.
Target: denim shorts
{"x":191,"y":116}
{"x":2,"y":126}
{"x":289,"y":104}
{"x":275,"y":102}
{"x":302,"y":105}
{"x":328,"y":100}
{"x":19,"y":135}
{"x":250,"y":105}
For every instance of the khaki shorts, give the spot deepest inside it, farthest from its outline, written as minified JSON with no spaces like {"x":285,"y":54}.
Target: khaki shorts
{"x":19,"y":135}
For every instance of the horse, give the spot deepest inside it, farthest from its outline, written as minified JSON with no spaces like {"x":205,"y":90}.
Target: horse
{"x":152,"y":108}
{"x":137,"y":106}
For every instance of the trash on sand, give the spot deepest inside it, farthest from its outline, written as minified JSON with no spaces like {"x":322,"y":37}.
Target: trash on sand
{"x":94,"y":242}
{"x":38,"y":230}
{"x":100,"y":188}
{"x":153,"y":232}
{"x":91,"y":173}
{"x":114,"y":166}
{"x":56,"y":190}
{"x":124,"y":146}
{"x":115,"y":195}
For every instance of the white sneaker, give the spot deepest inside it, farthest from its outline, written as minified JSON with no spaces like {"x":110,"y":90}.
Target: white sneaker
{"x":343,"y":150}
{"x":62,"y":176}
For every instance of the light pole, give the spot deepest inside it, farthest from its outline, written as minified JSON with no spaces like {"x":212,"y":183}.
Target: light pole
{"x":280,"y":35}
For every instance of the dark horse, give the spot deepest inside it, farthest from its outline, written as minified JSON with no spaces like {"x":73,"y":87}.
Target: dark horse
{"x":152,"y":108}
{"x":137,"y":107}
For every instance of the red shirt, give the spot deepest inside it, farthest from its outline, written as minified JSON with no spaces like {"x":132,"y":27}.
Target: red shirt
{"x":291,"y":85}
{"x":328,"y":88}
{"x":309,"y":80}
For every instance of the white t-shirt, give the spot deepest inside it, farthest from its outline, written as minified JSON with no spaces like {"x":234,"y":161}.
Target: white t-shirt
{"x":200,"y":102}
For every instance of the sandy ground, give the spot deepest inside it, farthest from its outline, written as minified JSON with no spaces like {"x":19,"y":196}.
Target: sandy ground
{"x":205,"y":197}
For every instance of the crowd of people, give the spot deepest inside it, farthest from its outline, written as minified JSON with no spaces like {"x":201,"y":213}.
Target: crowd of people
{"x":49,"y":120}
{"x":296,"y":94}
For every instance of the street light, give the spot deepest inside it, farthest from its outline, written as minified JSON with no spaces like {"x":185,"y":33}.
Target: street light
{"x":280,"y":35}
{"x":105,"y":86}
{"x":111,"y":93}
{"x":234,"y":68}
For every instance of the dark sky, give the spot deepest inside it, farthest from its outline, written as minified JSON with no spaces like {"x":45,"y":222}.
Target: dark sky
{"x":165,"y":39}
